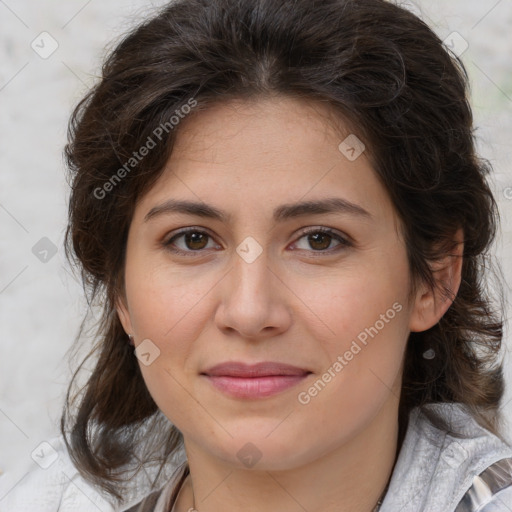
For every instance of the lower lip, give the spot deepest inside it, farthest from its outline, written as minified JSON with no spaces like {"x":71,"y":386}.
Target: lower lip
{"x":255,"y":387}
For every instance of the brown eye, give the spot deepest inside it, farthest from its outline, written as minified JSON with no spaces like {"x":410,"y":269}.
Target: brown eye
{"x":188,"y":241}
{"x":195,"y":240}
{"x":320,"y":240}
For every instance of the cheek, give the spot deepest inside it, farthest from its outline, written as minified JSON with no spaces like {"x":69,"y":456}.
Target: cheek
{"x":169,"y":308}
{"x":165,"y":303}
{"x":348,"y":302}
{"x":362,"y":319}
{"x":364,"y":358}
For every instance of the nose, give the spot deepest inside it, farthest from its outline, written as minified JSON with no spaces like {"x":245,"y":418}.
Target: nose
{"x":254,"y":300}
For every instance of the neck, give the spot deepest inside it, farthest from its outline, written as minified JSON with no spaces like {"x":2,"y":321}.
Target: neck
{"x":351,"y":477}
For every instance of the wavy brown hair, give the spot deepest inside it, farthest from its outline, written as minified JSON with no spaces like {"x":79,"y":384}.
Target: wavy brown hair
{"x":386,"y":75}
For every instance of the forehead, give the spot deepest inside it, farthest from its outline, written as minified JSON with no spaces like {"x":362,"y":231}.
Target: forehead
{"x":269,"y":126}
{"x":259,"y":154}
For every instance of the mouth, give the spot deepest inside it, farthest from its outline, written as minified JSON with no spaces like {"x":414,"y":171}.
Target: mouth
{"x":259,"y":380}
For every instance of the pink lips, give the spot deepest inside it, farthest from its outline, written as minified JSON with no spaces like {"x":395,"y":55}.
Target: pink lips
{"x":259,"y":380}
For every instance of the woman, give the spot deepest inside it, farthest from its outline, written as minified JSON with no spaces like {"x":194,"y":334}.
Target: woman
{"x":280,"y":209}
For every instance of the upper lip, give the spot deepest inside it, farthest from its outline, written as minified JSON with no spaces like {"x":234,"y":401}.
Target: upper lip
{"x":263,"y":369}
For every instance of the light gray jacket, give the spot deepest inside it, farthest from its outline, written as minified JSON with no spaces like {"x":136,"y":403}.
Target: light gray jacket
{"x":434,"y":472}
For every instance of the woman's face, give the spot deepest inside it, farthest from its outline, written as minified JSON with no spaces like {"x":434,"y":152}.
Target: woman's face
{"x":254,"y":281}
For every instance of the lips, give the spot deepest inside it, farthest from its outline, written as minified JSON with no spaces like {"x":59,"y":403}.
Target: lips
{"x":264,"y":369}
{"x":254,"y":381}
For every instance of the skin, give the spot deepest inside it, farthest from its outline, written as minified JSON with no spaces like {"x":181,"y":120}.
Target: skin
{"x":293,"y":304}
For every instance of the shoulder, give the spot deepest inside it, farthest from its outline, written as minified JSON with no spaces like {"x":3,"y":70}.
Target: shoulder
{"x":502,"y":502}
{"x":491,"y":490}
{"x":52,"y":483}
{"x":435,"y":469}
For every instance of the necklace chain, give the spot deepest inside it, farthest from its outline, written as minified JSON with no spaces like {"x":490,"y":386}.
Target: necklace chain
{"x":381,"y":499}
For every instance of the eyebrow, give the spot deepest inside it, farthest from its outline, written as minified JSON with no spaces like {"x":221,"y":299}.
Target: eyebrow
{"x":281,"y":213}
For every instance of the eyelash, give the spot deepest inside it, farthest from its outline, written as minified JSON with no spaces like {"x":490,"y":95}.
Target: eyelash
{"x":344,"y":243}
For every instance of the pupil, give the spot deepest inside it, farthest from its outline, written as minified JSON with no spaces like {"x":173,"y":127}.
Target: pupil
{"x":320,"y":236}
{"x":194,"y":238}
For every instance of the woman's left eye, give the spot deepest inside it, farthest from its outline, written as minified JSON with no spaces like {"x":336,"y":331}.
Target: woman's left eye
{"x":320,"y":239}
{"x":195,"y":240}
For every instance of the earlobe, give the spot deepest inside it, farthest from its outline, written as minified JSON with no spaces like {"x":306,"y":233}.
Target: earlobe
{"x":430,"y":305}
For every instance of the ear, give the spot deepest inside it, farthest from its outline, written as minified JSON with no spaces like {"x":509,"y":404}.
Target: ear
{"x":123,"y":314}
{"x":430,"y":305}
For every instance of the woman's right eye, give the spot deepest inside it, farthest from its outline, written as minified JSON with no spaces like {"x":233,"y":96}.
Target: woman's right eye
{"x":191,"y":240}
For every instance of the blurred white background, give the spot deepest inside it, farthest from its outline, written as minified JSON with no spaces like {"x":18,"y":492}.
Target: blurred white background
{"x":41,"y":305}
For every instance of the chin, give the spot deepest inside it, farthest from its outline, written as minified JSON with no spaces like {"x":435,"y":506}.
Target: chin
{"x":253,"y":452}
